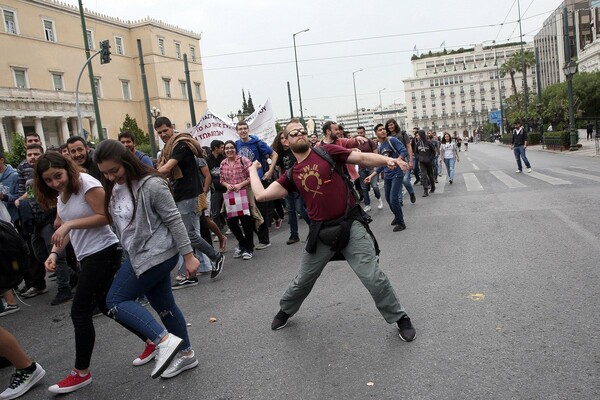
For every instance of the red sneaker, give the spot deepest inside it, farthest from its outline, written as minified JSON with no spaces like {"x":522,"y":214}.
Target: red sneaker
{"x":146,"y":356}
{"x":71,"y":383}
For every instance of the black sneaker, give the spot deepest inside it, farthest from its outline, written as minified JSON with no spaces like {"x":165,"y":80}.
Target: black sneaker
{"x":394,"y":222}
{"x":62,"y":297}
{"x":280,"y":320}
{"x":187,"y":282}
{"x":406,"y":328}
{"x":451,"y":181}
{"x":218,"y":267}
{"x":292,"y":240}
{"x":417,"y":182}
{"x":413,"y":198}
{"x":399,"y":227}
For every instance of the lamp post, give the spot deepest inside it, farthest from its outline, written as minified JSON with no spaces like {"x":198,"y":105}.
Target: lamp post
{"x":231,"y":116}
{"x":380,"y":106}
{"x":298,"y":75}
{"x":570,"y":69}
{"x":355,"y":98}
{"x":155,"y":112}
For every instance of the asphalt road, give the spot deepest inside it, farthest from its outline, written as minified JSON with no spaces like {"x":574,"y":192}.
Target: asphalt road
{"x":499,"y":273}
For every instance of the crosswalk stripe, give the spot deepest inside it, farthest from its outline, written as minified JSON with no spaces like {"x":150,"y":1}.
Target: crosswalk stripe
{"x":577,"y":174}
{"x":472,"y":182}
{"x":475,"y":167}
{"x":549,"y":179}
{"x":509,"y":181}
{"x":439,"y":187}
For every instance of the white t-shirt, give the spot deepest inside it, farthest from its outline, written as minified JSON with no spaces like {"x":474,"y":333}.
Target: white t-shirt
{"x":121,"y":209}
{"x":85,"y":241}
{"x":448,"y":150}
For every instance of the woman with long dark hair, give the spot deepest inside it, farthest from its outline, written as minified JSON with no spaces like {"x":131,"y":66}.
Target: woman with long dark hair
{"x":449,"y":155}
{"x":139,"y":204}
{"x":79,"y":200}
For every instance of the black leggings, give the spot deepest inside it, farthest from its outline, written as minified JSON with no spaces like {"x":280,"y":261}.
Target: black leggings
{"x":97,"y":273}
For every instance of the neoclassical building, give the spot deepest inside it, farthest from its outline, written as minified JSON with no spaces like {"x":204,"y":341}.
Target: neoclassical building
{"x":43,"y":53}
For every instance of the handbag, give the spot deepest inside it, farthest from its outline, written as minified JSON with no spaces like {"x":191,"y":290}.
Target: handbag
{"x":236,"y":203}
{"x":329,"y":235}
{"x":202,"y":203}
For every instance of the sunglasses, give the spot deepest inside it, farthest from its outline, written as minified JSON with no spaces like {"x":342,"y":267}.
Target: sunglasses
{"x":297,"y":132}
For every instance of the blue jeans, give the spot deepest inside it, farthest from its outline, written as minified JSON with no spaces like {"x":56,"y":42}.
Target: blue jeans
{"x":393,"y":191}
{"x":295,"y":205}
{"x":520,"y":153}
{"x":416,"y":170}
{"x":450,"y":167}
{"x":364,"y":172}
{"x":155,"y":283}
{"x":187,"y":209}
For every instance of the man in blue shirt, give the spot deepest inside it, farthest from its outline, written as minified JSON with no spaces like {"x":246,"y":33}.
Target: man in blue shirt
{"x":127,"y":139}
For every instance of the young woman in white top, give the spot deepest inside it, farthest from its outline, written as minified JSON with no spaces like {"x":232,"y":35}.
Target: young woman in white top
{"x":79,"y":199}
{"x":449,"y":155}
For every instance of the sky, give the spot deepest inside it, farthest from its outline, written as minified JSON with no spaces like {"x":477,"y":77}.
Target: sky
{"x":248,"y":44}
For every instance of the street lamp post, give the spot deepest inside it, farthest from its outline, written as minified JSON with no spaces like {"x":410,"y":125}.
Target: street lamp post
{"x":298,"y":75}
{"x":355,"y":98}
{"x":155,"y":112}
{"x":380,"y":105}
{"x":570,"y":69}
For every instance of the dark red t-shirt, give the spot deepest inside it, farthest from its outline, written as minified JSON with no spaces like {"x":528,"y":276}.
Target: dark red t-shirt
{"x":323,"y":190}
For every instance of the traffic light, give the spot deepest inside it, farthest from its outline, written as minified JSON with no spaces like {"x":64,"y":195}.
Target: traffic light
{"x":104,"y":52}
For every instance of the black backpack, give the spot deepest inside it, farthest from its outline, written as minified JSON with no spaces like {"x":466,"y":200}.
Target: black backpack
{"x":14,"y":256}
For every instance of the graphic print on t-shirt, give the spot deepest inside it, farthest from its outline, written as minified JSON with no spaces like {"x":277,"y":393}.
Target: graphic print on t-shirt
{"x":311,"y":179}
{"x":247,"y":152}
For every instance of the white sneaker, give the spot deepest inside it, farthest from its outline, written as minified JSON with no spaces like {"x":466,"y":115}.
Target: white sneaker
{"x":380,"y":205}
{"x":166,"y":351}
{"x":247,"y":255}
{"x":237,"y":253}
{"x":518,"y":171}
{"x":21,"y":382}
{"x":179,"y":364}
{"x":261,"y":246}
{"x":528,"y":169}
{"x":367,"y":208}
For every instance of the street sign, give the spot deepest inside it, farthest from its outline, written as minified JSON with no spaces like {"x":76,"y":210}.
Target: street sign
{"x":496,"y":117}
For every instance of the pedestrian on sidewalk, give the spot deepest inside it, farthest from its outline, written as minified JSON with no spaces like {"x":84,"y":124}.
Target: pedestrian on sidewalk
{"x":140,"y":205}
{"x":519,"y":145}
{"x":79,"y":200}
{"x":330,"y":199}
{"x":449,"y":155}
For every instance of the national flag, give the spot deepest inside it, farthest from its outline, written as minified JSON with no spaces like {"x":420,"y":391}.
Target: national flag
{"x":443,"y":44}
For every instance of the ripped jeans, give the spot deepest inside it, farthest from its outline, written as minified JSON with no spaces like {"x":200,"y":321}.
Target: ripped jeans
{"x":155,"y":283}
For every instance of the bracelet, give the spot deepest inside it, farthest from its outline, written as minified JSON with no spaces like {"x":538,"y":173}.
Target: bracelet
{"x":53,"y":252}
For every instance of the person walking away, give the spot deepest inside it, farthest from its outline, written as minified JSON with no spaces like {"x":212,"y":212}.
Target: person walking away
{"x":140,"y":205}
{"x":369,"y":147}
{"x":326,"y":202}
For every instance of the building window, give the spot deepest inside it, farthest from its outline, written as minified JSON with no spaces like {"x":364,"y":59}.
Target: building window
{"x":167,"y":85}
{"x":57,"y":80}
{"x":178,"y":50}
{"x":188,"y":125}
{"x":183,"y":87}
{"x":20,"y":78}
{"x":10,"y":24}
{"x":161,"y":46}
{"x":119,"y":45}
{"x":193,"y":53}
{"x":98,"y":87}
{"x":49,"y":32}
{"x":126,"y":90}
{"x":90,"y":38}
{"x":197,"y":90}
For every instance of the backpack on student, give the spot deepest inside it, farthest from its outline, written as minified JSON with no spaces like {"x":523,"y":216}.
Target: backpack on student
{"x":14,"y":256}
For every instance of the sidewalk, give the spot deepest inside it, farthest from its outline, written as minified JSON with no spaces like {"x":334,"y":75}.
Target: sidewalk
{"x":587,"y":149}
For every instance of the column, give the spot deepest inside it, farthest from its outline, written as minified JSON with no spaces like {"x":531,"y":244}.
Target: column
{"x":64,"y":129}
{"x":3,"y":136}
{"x":40,"y":130}
{"x":19,"y":125}
{"x":75,"y":126}
{"x":94,"y":129}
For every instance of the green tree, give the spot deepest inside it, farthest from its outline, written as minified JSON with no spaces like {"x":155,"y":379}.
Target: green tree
{"x":142,"y":140}
{"x":250,"y":104}
{"x":244,"y":103}
{"x":17,"y":151}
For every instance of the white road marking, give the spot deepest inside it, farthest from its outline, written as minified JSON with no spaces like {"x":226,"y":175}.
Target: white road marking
{"x":577,"y":174}
{"x":548,"y":179}
{"x":509,"y":181}
{"x":472,"y":182}
{"x":475,"y":167}
{"x":584,"y":233}
{"x":439,"y":187}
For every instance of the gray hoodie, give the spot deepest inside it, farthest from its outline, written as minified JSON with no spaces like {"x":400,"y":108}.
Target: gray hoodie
{"x":159,"y":231}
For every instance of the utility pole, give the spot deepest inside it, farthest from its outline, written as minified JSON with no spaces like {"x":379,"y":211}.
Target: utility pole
{"x":525,"y":91}
{"x":189,"y":89}
{"x":91,"y":73}
{"x":146,"y":100}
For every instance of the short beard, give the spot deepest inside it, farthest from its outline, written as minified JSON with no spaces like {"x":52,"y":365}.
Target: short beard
{"x":300,"y":147}
{"x":333,"y":137}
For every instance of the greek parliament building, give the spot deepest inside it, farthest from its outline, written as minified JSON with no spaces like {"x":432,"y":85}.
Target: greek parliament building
{"x":43,"y":52}
{"x":456,"y":90}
